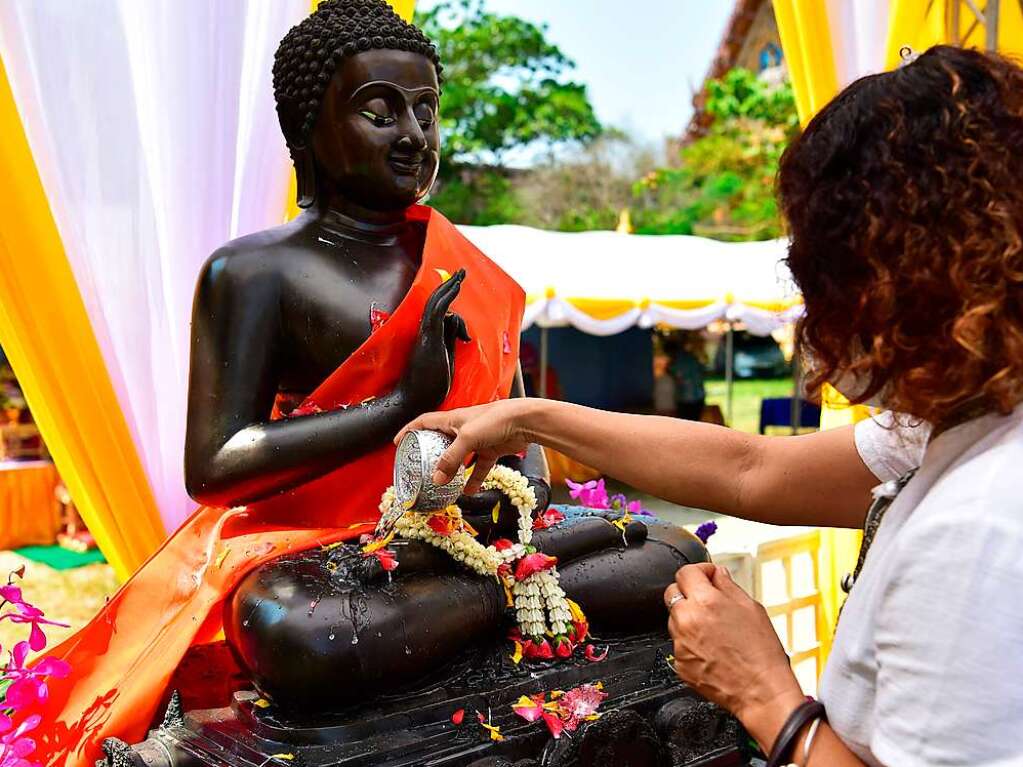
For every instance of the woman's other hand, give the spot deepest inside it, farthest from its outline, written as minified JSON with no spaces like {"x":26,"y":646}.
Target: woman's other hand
{"x":487,"y":431}
{"x":726,"y":648}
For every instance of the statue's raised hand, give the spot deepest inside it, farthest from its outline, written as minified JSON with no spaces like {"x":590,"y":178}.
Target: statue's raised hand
{"x":431,"y":366}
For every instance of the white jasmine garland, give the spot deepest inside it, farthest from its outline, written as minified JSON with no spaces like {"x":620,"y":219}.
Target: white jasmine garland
{"x":541,"y":607}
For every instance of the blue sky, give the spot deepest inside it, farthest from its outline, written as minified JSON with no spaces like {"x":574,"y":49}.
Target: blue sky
{"x":639,"y":59}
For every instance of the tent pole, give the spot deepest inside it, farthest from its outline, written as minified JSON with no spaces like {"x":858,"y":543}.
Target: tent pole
{"x":729,"y":371}
{"x":543,"y":363}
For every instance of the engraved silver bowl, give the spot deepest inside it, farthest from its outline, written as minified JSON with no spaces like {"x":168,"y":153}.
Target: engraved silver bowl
{"x":414,"y":465}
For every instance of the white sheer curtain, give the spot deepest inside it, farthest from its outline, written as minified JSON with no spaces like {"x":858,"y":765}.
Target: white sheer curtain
{"x":859,"y":34}
{"x":153,"y":128}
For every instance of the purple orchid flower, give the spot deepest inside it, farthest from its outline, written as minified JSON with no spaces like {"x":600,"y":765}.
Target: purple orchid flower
{"x":706,"y":530}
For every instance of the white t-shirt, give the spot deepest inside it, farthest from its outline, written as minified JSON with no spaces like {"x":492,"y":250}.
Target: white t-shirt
{"x":927,"y":664}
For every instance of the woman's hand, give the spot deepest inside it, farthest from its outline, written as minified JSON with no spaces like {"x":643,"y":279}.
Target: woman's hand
{"x":488,"y":431}
{"x":726,"y":648}
{"x":431,"y":366}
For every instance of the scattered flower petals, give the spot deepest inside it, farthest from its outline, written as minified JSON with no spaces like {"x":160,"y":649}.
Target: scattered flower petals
{"x":554,"y":724}
{"x":549,"y":518}
{"x":528,"y":708}
{"x":495,"y":732}
{"x":306,"y":408}
{"x":591,"y":654}
{"x":496,"y":511}
{"x":386,"y":558}
{"x":517,"y":654}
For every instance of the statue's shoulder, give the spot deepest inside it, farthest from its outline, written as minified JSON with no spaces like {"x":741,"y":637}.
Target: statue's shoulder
{"x":251,"y":258}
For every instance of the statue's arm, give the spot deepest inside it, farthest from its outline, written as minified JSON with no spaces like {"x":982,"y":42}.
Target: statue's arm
{"x":234,"y":454}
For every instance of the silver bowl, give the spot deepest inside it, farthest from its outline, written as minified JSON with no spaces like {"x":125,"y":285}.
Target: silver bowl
{"x":414,"y":465}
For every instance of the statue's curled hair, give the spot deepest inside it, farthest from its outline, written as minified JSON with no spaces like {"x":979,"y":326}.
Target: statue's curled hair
{"x":311,"y":51}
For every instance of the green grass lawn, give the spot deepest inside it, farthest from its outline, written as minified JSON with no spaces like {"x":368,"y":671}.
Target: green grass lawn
{"x":746,"y":396}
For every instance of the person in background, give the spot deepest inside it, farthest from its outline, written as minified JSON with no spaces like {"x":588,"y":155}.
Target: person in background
{"x":687,"y":368}
{"x":664,"y":385}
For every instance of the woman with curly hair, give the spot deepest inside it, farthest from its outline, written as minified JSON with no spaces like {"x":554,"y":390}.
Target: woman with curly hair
{"x":904,"y":199}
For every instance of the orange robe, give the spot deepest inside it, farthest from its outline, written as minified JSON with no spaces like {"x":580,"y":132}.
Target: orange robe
{"x":123,"y":659}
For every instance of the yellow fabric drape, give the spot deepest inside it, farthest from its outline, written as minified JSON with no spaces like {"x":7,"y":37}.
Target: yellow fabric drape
{"x":806,"y":41}
{"x":923,"y":23}
{"x":809,"y":54}
{"x":48,"y":338}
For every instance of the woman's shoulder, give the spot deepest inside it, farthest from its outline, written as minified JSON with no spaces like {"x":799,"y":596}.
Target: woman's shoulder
{"x":979,"y":487}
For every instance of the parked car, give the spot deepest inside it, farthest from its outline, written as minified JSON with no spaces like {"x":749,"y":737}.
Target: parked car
{"x":755,"y":357}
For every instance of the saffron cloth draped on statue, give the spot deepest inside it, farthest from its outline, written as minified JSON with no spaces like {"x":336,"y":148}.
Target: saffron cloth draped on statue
{"x":124,"y":658}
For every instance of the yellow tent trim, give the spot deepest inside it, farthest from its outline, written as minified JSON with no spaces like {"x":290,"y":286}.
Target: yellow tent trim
{"x":48,"y":337}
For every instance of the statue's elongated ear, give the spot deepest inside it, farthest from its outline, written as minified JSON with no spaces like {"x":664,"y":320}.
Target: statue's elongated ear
{"x":305,"y":174}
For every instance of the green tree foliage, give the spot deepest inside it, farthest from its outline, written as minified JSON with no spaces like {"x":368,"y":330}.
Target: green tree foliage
{"x":724,"y":184}
{"x":505,"y":88}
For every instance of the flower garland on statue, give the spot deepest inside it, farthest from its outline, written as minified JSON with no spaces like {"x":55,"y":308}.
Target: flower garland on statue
{"x":542,"y":611}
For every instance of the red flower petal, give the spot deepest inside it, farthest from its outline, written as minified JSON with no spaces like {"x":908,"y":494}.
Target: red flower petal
{"x":592,"y":656}
{"x":377,"y":317}
{"x":502,"y":543}
{"x":458,"y":716}
{"x":554,"y":724}
{"x":564,"y":649}
{"x":441,"y":524}
{"x":533,"y":563}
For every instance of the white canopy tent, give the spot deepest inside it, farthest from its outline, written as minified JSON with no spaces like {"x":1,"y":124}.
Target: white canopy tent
{"x":603,"y":283}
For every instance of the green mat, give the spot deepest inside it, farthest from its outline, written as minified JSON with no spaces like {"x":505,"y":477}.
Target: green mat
{"x":60,"y":558}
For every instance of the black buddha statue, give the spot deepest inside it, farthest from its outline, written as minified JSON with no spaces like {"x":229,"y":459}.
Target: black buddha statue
{"x":358,"y":94}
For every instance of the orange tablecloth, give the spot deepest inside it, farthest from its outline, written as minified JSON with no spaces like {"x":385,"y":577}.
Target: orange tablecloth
{"x":29,"y":512}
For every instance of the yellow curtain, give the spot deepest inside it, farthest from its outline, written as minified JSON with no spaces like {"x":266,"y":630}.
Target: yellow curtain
{"x":806,"y":41}
{"x":809,"y":55}
{"x":48,"y":338}
{"x":923,"y":23}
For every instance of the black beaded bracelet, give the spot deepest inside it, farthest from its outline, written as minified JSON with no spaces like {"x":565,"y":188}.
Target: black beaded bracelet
{"x":798,"y":719}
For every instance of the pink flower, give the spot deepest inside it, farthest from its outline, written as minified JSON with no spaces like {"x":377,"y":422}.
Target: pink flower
{"x":592,"y":494}
{"x":502,"y":543}
{"x":533,"y":563}
{"x":579,"y":703}
{"x":529,"y":708}
{"x":592,"y":656}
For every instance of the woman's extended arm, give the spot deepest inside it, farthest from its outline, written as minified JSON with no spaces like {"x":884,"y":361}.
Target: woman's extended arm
{"x":815,"y":479}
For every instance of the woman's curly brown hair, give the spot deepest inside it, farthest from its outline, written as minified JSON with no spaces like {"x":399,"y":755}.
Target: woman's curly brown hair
{"x":904,"y":199}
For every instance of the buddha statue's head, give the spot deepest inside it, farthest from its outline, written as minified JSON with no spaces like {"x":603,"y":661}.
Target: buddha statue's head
{"x":357,"y":92}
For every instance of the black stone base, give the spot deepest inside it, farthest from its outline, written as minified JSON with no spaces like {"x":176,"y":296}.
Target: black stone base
{"x":648,"y":720}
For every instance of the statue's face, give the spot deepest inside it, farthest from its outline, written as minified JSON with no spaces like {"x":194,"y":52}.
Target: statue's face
{"x":376,"y":137}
